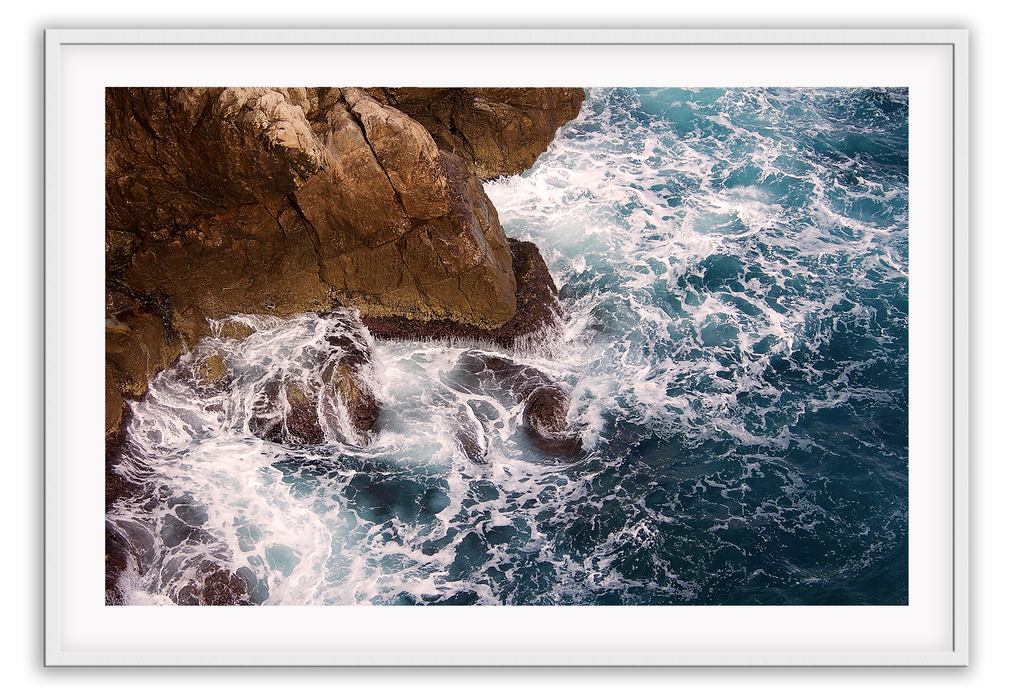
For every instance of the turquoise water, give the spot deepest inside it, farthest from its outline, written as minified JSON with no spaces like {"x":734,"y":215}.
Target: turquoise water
{"x":734,"y":267}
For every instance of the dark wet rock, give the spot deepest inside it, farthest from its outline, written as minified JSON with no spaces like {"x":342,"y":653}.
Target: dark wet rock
{"x":461,"y":598}
{"x":470,"y":434}
{"x":344,"y":372}
{"x":285,"y":411}
{"x":214,"y":585}
{"x":546,"y":412}
{"x":267,"y":415}
{"x":129,"y":552}
{"x":464,"y":424}
{"x":139,"y":344}
{"x":232,"y":328}
{"x":117,"y":486}
{"x":481,"y":373}
{"x":327,"y":396}
{"x":546,"y":417}
{"x":117,"y":413}
{"x":210,"y":370}
{"x":346,"y":385}
{"x":117,"y":559}
{"x":174,"y":532}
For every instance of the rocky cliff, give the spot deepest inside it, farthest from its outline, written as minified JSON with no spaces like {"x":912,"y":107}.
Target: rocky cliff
{"x":287,"y":200}
{"x":499,"y":131}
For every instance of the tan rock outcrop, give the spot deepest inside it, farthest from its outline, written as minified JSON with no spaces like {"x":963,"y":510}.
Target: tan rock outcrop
{"x":499,"y":130}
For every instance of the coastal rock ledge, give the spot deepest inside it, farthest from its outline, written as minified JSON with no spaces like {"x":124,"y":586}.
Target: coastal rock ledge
{"x":280,"y":201}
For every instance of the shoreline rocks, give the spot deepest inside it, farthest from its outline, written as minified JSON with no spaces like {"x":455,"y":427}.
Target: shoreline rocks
{"x":283,"y":201}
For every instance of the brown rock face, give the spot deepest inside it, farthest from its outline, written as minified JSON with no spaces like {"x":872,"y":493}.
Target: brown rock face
{"x":223,"y":201}
{"x":501,"y":131}
{"x":538,"y":309}
{"x":138,"y":346}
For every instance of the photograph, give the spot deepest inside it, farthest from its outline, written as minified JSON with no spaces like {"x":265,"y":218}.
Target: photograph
{"x":506,"y":348}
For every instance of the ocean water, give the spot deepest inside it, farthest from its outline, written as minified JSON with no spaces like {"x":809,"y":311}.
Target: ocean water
{"x":734,"y":266}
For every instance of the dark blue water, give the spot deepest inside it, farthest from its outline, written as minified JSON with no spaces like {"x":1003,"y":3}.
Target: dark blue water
{"x":734,"y":266}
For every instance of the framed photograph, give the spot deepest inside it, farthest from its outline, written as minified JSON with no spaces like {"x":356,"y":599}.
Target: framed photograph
{"x":531,"y":347}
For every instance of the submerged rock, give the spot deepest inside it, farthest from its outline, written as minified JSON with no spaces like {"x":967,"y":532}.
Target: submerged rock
{"x":546,"y":419}
{"x":214,"y":585}
{"x":546,"y":410}
{"x":117,"y":558}
{"x":324,"y":393}
{"x":465,"y":427}
{"x":129,"y":551}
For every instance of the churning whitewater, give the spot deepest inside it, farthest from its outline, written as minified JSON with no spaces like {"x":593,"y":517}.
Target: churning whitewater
{"x":733,"y":265}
